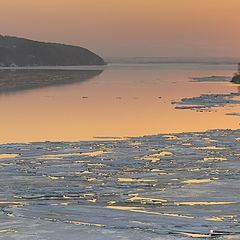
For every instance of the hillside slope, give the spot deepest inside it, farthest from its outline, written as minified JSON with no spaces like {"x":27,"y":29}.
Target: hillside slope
{"x":24,"y":52}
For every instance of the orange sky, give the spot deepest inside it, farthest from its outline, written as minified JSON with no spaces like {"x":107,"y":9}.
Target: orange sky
{"x":129,"y":27}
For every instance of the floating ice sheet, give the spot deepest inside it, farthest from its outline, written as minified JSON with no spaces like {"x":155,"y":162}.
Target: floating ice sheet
{"x":103,"y":189}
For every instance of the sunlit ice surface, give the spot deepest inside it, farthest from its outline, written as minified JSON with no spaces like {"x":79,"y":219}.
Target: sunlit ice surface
{"x":180,"y":186}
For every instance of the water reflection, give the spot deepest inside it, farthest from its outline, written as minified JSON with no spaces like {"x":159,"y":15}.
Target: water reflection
{"x":16,"y":80}
{"x":116,"y":103}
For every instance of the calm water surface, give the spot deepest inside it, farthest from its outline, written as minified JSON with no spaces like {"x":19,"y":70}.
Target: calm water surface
{"x":169,"y":186}
{"x":124,"y":100}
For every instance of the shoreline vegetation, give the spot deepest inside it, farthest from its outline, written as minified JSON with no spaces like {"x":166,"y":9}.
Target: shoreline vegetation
{"x":236,"y":79}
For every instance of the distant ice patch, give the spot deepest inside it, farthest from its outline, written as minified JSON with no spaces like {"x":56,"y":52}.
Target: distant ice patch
{"x":212,"y":79}
{"x":208,"y":101}
{"x":234,"y":114}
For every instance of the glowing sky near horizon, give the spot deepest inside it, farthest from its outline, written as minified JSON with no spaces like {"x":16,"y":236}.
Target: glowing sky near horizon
{"x":201,"y":28}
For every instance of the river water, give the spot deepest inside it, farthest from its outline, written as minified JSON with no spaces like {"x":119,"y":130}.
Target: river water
{"x":118,"y":101}
{"x":178,"y":182}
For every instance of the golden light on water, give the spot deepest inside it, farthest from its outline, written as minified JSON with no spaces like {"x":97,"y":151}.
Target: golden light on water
{"x":116,"y":103}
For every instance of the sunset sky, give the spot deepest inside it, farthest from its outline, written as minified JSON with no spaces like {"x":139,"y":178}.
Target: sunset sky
{"x":199,"y":28}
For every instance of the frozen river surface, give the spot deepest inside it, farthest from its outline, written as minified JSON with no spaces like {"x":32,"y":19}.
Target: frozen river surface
{"x":179,"y":186}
